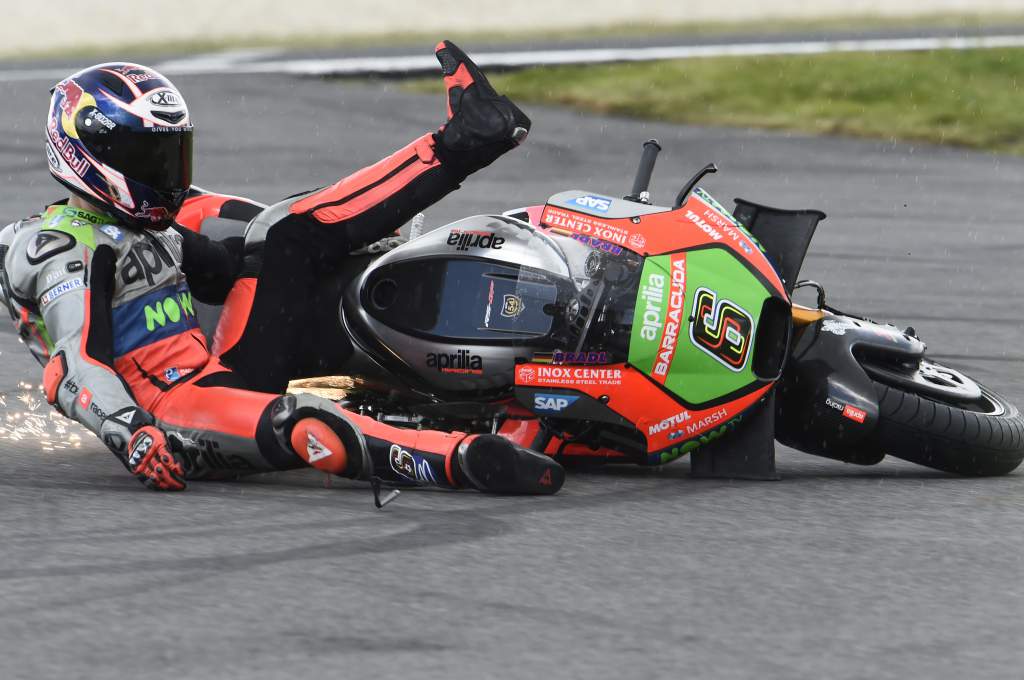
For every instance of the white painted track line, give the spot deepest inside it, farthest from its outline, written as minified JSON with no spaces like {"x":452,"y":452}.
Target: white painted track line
{"x":410,"y":65}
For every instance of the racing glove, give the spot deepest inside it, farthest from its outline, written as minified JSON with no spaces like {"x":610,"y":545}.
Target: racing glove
{"x":482,"y":124}
{"x":152,"y":462}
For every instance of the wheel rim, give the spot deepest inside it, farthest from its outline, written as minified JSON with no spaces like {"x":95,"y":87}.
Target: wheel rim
{"x":939,"y":383}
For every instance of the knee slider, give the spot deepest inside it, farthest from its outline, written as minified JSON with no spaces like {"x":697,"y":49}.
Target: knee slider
{"x":317,"y":432}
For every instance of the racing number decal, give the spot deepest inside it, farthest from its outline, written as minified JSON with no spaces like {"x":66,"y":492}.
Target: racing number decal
{"x":721,"y":328}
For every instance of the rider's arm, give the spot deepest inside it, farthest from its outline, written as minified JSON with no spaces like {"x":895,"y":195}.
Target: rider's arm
{"x":210,"y":266}
{"x":72,"y":290}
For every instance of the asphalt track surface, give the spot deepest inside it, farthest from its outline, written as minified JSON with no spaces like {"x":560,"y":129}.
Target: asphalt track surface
{"x":836,"y":571}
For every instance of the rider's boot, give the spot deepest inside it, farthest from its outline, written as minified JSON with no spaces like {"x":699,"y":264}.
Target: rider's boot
{"x":455,"y":460}
{"x":493,"y":464}
{"x":482,"y":125}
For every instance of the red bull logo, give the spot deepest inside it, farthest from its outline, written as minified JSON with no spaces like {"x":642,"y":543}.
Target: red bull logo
{"x":72,"y":96}
{"x":153,"y":213}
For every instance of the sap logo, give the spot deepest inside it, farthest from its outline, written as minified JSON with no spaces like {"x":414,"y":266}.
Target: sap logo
{"x":144,"y":261}
{"x":552,"y":403}
{"x":172,"y":308}
{"x":464,"y":240}
{"x":460,"y":362}
{"x":593,"y":203}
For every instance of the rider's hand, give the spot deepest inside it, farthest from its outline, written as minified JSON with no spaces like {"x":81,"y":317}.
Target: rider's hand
{"x":152,"y":462}
{"x":482,"y":124}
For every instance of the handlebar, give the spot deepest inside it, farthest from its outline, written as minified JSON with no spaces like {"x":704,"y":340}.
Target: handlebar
{"x":644,"y":171}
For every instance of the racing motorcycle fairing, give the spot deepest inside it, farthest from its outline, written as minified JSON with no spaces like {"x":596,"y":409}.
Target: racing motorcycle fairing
{"x":827,"y":403}
{"x":710,"y":325}
{"x":670,"y":428}
{"x":655,"y":230}
{"x":784,"y":235}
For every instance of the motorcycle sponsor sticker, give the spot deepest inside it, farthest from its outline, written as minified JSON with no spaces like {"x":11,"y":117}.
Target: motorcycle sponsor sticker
{"x":854,"y":413}
{"x":596,"y":203}
{"x":559,"y":357}
{"x":669,"y":423}
{"x":650,"y":306}
{"x":60,"y":289}
{"x":568,"y":376}
{"x":512,"y":306}
{"x":847,"y":411}
{"x":721,"y":328}
{"x":584,"y":224}
{"x":460,"y":361}
{"x":637,"y":241}
{"x":703,"y":225}
{"x":552,"y":403}
{"x":673,"y":319}
{"x":598,"y":244}
{"x":464,"y":239}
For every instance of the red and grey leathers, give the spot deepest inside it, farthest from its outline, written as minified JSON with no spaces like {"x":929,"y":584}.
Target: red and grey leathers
{"x":111,"y":312}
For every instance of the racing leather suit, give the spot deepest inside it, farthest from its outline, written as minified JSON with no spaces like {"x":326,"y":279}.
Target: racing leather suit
{"x":111,"y":313}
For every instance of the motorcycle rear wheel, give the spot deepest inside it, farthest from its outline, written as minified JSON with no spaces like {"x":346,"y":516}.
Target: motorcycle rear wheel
{"x":936,"y":416}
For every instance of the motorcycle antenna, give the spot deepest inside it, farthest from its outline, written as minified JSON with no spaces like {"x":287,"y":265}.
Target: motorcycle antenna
{"x":640,"y":194}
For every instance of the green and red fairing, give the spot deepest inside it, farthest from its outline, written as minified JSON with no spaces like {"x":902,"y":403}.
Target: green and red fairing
{"x":710,"y":325}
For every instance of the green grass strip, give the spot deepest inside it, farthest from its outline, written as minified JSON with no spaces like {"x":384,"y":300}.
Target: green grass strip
{"x":967,"y":98}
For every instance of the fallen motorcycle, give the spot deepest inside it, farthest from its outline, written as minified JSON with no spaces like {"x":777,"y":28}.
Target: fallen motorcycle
{"x":603,"y":329}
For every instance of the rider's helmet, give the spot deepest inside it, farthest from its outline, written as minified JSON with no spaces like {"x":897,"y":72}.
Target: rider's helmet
{"x":119,"y":136}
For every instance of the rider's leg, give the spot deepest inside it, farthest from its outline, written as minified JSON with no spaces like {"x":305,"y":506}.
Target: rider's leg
{"x":295,"y":244}
{"x":223,"y":430}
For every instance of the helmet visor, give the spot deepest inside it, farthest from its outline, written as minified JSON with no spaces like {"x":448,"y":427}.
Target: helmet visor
{"x":160,"y":158}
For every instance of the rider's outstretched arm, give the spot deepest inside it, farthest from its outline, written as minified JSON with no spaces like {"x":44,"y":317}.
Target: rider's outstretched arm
{"x":72,"y":289}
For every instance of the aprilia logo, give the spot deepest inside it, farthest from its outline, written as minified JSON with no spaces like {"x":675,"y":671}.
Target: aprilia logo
{"x":144,"y":261}
{"x":464,"y":240}
{"x":460,"y":362}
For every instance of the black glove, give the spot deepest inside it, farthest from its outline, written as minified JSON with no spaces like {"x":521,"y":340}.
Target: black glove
{"x":482,"y":124}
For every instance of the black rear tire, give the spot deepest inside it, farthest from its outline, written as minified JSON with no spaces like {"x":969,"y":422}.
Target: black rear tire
{"x":950,"y":437}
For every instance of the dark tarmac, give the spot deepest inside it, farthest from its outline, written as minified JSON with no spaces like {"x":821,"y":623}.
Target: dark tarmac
{"x":836,"y":571}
